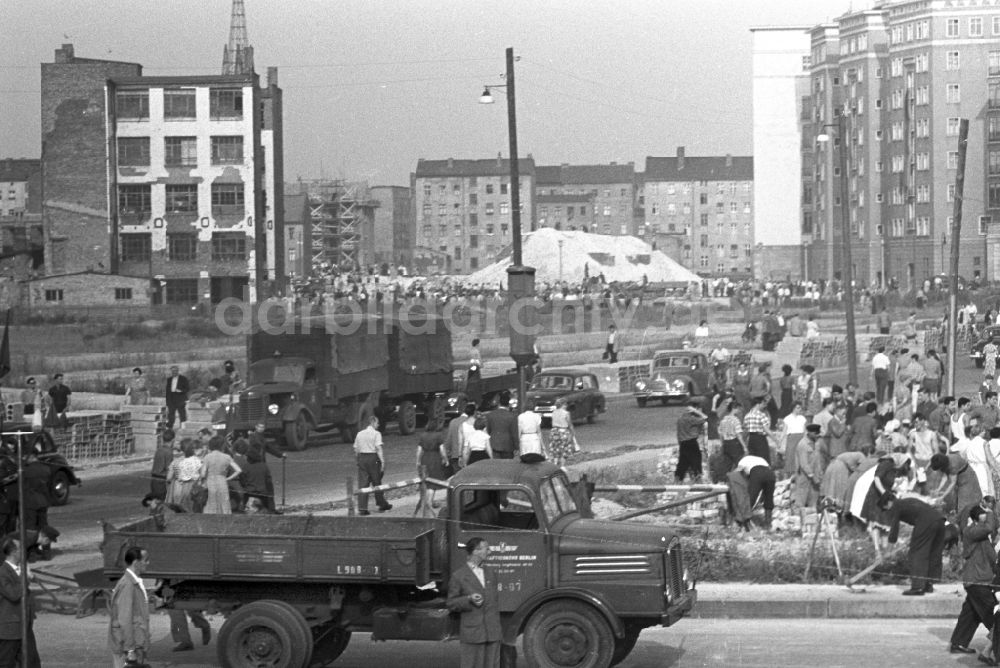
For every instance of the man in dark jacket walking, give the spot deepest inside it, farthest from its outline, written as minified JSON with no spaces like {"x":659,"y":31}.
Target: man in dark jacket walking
{"x":501,"y":423}
{"x":977,"y":576}
{"x":10,"y":610}
{"x":177,"y":396}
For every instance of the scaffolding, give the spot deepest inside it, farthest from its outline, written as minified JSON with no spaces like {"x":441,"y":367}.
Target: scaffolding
{"x":340,"y":215}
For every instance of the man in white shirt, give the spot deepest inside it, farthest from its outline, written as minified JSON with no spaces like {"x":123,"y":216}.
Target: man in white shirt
{"x":880,"y":372}
{"x":371,"y":465}
{"x":760,"y":481}
{"x":529,"y":433}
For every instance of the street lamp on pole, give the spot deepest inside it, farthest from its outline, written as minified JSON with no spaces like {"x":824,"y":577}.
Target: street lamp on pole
{"x":847,"y":272}
{"x":520,"y":279}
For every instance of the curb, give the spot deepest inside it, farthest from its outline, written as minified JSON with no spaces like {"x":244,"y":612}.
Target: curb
{"x":821,"y":608}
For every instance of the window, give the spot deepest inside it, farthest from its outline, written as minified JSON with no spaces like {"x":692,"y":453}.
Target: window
{"x":993,"y":95}
{"x":181,"y":291}
{"x":227,"y":199}
{"x":182,"y":247}
{"x":993,"y":199}
{"x":607,"y":210}
{"x":503,"y":188}
{"x":909,"y":32}
{"x":953,"y":93}
{"x":897,"y":99}
{"x":923,"y":95}
{"x":897,"y":163}
{"x":672,"y":208}
{"x":227,"y":150}
{"x":878,"y":166}
{"x":896,"y":131}
{"x":442,"y":209}
{"x":923,"y":127}
{"x":704,"y":241}
{"x":952,"y":60}
{"x":993,"y":63}
{"x":976,"y":26}
{"x":474,"y":218}
{"x":227,"y":246}
{"x":134,"y":200}
{"x":878,"y":197}
{"x":951,"y":129}
{"x":473,"y":199}
{"x":180,"y":151}
{"x":921,"y":62}
{"x":123,"y":294}
{"x":489,"y":188}
{"x":132,"y":105}
{"x":489,"y":208}
{"x":923,"y":226}
{"x":896,"y":67}
{"x":179,"y":104}
{"x":133,"y":151}
{"x":734,"y":251}
{"x":703,"y":262}
{"x":504,"y":208}
{"x":54,"y":295}
{"x":951,"y":192}
{"x":427,"y":190}
{"x":182,"y":198}
{"x":923,"y":161}
{"x":953,"y":159}
{"x":226,"y":103}
{"x":733,"y":207}
{"x":489,"y":229}
{"x":655,"y":209}
{"x":136,"y":247}
{"x":704,"y":220}
{"x":703,"y":198}
{"x":923,"y":193}
{"x":426,"y":210}
{"x":456,"y":188}
{"x":951,"y":28}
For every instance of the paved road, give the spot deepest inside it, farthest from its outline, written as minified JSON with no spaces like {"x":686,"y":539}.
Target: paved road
{"x":764,"y":643}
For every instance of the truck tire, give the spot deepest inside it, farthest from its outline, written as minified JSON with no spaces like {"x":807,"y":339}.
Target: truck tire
{"x":265,"y":633}
{"x":329,"y":642}
{"x":568,"y":634}
{"x":297,"y":433}
{"x":435,"y":414}
{"x":407,"y":416}
{"x":60,"y":488}
{"x":624,"y":646}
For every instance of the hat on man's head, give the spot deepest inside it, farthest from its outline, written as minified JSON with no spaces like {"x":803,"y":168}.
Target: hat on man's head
{"x":813,"y":428}
{"x":837,"y":389}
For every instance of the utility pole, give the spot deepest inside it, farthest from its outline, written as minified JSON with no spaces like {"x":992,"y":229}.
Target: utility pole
{"x":956,"y":230}
{"x":847,"y":272}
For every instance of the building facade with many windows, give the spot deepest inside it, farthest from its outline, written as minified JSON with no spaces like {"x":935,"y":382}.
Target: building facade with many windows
{"x":699,"y":210}
{"x":591,"y":198}
{"x":896,"y":81}
{"x":188,"y":189}
{"x":463,"y":211}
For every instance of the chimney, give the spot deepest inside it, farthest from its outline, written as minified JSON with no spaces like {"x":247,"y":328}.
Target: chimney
{"x":680,"y":157}
{"x":65,"y":54}
{"x":272,"y":76}
{"x":451,"y":163}
{"x":729,"y":160}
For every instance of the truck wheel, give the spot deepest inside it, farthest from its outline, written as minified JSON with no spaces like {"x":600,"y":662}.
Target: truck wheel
{"x":265,"y":633}
{"x":349,"y":432}
{"x":60,"y":488}
{"x":329,"y":642}
{"x":624,"y":646}
{"x":435,"y":415}
{"x":297,"y":433}
{"x":641,"y":401}
{"x":568,"y":634}
{"x":407,"y":416}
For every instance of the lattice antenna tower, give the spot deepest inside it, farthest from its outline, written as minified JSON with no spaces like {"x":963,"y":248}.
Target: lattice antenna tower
{"x":237,"y":56}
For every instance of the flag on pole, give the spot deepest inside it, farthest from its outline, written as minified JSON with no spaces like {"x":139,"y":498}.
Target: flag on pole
{"x":5,"y":348}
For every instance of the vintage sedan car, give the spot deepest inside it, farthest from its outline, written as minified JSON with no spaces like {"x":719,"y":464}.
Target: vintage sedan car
{"x":62,"y":476}
{"x":976,"y":351}
{"x":585,"y":400}
{"x":489,"y":391}
{"x":674,"y":374}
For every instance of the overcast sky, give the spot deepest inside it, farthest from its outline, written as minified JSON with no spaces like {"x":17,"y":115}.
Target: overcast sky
{"x":370,"y":86}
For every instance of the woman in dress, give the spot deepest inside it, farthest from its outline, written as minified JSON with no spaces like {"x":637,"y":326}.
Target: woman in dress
{"x":990,"y":351}
{"x":433,"y":458}
{"x":184,"y":472}
{"x":837,"y":435}
{"x":787,"y":385}
{"x":741,"y":385}
{"x":807,"y":391}
{"x":836,"y":478}
{"x":477,"y":444}
{"x":136,"y":392}
{"x":793,"y":428}
{"x":217,"y":469}
{"x":561,"y":436}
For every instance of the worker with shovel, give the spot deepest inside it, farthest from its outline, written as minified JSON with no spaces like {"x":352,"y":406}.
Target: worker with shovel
{"x":926,"y":542}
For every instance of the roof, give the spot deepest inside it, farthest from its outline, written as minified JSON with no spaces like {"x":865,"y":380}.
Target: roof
{"x":191,"y":80}
{"x":563,"y":372}
{"x":585,"y":174}
{"x":503,"y":472}
{"x":712,"y":168}
{"x":86,"y":272}
{"x":488,"y":167}
{"x":19,"y":169}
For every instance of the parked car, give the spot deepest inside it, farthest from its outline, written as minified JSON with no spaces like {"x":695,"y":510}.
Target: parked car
{"x":674,"y":374}
{"x":585,"y":401}
{"x":490,"y":389}
{"x":976,"y":350}
{"x":62,"y":476}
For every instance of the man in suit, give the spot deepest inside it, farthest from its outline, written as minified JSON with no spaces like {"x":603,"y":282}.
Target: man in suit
{"x":177,"y":396}
{"x":501,"y":423}
{"x":472,"y":592}
{"x":10,"y":610}
{"x":128,"y":630}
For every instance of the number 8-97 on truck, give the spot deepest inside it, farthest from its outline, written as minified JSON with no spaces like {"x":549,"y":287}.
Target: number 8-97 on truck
{"x":576,"y":590}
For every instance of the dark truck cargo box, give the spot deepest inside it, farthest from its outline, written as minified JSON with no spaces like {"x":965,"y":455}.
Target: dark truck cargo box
{"x":301,"y":548}
{"x":420,"y":358}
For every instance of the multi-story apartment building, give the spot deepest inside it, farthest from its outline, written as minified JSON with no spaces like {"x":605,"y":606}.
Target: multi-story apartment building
{"x":21,"y":215}
{"x":704,"y":205}
{"x":896,"y":82}
{"x":177,"y":179}
{"x":393,"y":225}
{"x":463,"y":211}
{"x":601,"y":198}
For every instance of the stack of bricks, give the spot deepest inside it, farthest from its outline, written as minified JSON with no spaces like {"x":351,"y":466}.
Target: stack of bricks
{"x":148,"y":424}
